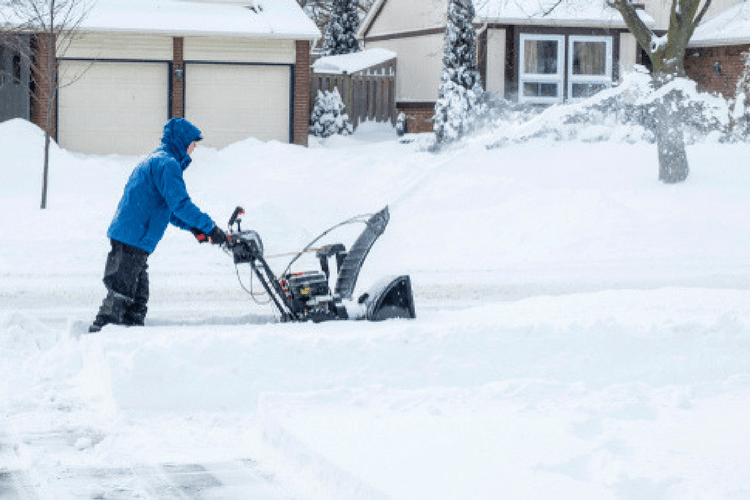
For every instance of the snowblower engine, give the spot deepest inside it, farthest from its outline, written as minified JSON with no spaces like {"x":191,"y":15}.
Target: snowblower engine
{"x":307,"y":291}
{"x":305,"y":296}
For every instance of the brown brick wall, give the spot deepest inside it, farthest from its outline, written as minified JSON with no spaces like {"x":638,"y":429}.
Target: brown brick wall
{"x":700,"y":65}
{"x":419,"y":115}
{"x":178,"y":84}
{"x":44,"y":88}
{"x":302,"y":92}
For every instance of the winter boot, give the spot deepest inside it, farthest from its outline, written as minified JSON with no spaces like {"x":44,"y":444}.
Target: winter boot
{"x":113,"y":309}
{"x":135,"y":315}
{"x":136,"y":312}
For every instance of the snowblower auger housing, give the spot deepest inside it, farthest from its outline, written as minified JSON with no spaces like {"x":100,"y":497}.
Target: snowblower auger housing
{"x":307,"y":296}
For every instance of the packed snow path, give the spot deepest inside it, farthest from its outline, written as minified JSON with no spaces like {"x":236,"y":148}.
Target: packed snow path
{"x":236,"y":479}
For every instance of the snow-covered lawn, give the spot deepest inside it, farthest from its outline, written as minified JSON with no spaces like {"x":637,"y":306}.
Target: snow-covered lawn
{"x":582,"y":331}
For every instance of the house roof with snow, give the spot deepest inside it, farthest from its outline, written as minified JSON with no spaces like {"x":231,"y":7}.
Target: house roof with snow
{"x":351,"y":63}
{"x":570,"y":12}
{"x":536,"y":12}
{"x":262,"y":18}
{"x":731,"y":27}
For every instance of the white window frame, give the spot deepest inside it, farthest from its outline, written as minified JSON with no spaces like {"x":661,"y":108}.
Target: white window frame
{"x":558,"y":78}
{"x":605,"y":79}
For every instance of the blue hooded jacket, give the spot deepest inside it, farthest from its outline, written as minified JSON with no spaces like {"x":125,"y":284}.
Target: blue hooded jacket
{"x":155,"y":194}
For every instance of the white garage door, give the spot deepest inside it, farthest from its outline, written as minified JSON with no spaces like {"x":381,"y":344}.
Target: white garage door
{"x":112,"y":107}
{"x":230,"y":103}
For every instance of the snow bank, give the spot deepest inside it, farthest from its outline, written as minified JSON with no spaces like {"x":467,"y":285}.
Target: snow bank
{"x":529,"y":439}
{"x":581,"y":332}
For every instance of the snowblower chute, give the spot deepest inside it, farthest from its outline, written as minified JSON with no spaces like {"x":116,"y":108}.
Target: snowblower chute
{"x":305,"y":296}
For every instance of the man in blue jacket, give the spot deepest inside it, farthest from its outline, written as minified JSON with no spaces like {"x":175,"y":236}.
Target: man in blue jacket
{"x":154,"y":197}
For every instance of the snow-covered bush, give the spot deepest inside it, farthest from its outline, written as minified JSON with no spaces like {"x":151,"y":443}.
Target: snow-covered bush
{"x":460,"y":97}
{"x":625,"y":112}
{"x":328,"y":116}
{"x":401,"y":124}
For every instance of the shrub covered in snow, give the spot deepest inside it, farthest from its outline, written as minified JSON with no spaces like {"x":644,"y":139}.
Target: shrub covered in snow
{"x":328,"y":116}
{"x":624,"y":112}
{"x":401,"y":124}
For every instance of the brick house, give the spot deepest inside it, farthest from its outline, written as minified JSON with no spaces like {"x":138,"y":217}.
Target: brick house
{"x":236,"y":68}
{"x":714,"y":57}
{"x":525,"y":52}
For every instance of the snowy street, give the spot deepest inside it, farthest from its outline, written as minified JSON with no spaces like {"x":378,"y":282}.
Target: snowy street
{"x":238,"y":479}
{"x":582,"y":330}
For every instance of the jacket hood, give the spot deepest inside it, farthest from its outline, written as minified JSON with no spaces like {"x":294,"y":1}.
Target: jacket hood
{"x":178,"y":134}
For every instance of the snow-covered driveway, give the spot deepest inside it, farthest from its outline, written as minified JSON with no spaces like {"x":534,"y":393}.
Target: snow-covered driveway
{"x":582,"y":331}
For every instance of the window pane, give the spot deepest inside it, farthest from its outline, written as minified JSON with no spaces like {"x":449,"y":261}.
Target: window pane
{"x":589,"y":58}
{"x":534,"y":89}
{"x":540,"y":57}
{"x":586,"y":89}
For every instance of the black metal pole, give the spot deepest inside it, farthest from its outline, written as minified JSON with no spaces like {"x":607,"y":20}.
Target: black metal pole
{"x":285,"y":315}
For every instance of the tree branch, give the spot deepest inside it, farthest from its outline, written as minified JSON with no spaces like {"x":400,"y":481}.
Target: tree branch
{"x":702,"y":13}
{"x":635,"y":24}
{"x":549,"y":11}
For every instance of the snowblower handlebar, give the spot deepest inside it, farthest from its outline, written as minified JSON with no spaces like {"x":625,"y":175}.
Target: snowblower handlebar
{"x":235,"y":218}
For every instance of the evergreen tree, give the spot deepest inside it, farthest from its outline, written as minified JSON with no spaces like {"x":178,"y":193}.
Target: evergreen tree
{"x":341,"y":31}
{"x":320,"y":12}
{"x":460,"y":100}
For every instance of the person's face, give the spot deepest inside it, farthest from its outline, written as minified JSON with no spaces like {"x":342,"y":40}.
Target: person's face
{"x":191,"y":148}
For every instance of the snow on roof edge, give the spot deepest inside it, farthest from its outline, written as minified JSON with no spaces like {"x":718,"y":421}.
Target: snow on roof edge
{"x":730,"y":27}
{"x":277,"y":19}
{"x":482,"y":17}
{"x":369,"y":18}
{"x":351,"y":63}
{"x":179,"y":32}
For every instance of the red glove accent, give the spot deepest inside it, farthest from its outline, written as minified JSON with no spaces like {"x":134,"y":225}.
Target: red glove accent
{"x":199,"y":235}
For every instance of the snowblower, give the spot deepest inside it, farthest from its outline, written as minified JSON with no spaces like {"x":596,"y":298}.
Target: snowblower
{"x":307,"y":295}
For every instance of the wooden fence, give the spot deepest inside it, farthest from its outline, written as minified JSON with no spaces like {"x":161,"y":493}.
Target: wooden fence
{"x":368,"y":94}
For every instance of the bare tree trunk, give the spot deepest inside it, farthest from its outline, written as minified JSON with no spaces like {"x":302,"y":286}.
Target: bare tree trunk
{"x":54,"y":25}
{"x":670,"y":141}
{"x":667,"y":56}
{"x":45,"y":176}
{"x":52,"y":77}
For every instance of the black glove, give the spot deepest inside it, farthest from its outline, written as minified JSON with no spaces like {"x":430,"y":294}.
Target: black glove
{"x":217,"y":236}
{"x":199,"y":235}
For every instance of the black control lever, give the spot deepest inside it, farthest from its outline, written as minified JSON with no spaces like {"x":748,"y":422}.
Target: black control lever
{"x":235,"y":217}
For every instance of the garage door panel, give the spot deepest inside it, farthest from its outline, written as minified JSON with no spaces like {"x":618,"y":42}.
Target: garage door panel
{"x":233,"y":102}
{"x":112,"y":107}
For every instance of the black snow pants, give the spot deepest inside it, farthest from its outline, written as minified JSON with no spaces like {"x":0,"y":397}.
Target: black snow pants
{"x":126,"y":279}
